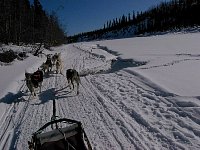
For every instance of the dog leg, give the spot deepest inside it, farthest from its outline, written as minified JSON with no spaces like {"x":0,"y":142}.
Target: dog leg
{"x":61,"y":68}
{"x":30,"y":145}
{"x":77,"y":92}
{"x":69,"y":84}
{"x":77,"y":87}
{"x":33,"y":93}
{"x":72,"y":84}
{"x":40,"y":85}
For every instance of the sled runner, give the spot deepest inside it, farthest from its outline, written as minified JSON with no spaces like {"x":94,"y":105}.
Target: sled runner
{"x":71,"y":137}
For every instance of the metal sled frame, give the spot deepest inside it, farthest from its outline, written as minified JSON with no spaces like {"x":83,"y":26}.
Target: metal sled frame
{"x":72,"y":137}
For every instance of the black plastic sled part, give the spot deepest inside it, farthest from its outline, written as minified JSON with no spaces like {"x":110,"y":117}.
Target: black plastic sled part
{"x":71,"y":137}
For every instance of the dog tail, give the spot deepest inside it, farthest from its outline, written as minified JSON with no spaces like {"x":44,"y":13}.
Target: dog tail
{"x":78,"y":78}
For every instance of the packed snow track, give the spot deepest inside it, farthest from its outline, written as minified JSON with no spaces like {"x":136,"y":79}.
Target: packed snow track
{"x":119,"y":111}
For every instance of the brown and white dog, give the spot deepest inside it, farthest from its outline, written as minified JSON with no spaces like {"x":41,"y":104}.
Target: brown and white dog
{"x":59,"y":66}
{"x":73,"y":76}
{"x":56,"y":60}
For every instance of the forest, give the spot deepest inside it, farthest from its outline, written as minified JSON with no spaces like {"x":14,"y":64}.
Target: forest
{"x":22,"y":22}
{"x":175,"y":14}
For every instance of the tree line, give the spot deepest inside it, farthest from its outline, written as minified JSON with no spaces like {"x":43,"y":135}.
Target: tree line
{"x":175,"y":14}
{"x":22,"y":22}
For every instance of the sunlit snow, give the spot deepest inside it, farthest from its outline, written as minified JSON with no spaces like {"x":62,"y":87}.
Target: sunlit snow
{"x":135,"y":93}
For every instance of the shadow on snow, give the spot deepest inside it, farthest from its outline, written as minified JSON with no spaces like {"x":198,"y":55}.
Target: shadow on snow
{"x":124,"y":63}
{"x":44,"y":96}
{"x":13,"y":98}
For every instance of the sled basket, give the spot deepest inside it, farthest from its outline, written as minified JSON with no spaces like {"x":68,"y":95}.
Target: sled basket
{"x":71,"y":137}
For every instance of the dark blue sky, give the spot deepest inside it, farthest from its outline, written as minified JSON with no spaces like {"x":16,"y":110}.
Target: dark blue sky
{"x":87,"y":15}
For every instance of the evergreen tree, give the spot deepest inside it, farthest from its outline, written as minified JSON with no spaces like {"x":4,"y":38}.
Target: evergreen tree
{"x":21,"y":22}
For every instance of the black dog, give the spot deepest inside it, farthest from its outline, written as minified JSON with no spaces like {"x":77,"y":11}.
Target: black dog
{"x":37,"y":78}
{"x":34,"y":80}
{"x":73,"y":76}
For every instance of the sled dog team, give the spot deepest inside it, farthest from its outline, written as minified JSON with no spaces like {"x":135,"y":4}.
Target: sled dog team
{"x":34,"y":80}
{"x":51,"y":62}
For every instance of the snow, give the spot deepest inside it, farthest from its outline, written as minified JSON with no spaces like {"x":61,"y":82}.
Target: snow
{"x":135,"y":93}
{"x":173,"y":60}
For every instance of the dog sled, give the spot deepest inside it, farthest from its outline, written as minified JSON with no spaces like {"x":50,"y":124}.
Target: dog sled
{"x":70,"y":137}
{"x":60,"y":134}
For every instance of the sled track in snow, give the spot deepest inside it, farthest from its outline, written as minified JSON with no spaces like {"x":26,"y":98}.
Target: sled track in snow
{"x":119,"y":111}
{"x":7,"y":121}
{"x":152,"y":113}
{"x":21,"y":118}
{"x":109,"y":121}
{"x":113,"y":117}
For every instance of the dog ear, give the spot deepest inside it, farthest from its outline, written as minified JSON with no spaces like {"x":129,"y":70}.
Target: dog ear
{"x":26,"y":73}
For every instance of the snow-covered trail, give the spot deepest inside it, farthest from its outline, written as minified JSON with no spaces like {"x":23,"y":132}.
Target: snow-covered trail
{"x":119,"y":111}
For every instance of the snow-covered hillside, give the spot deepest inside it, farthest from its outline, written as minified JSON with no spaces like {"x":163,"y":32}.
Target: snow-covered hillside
{"x":136,"y":93}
